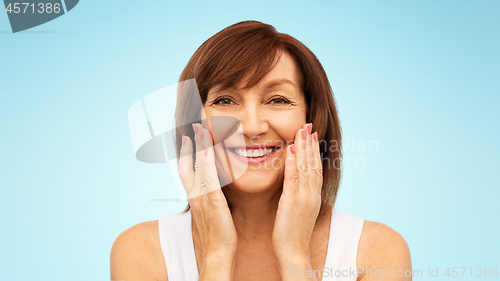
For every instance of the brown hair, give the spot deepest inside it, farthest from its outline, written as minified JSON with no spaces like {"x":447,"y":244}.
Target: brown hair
{"x":248,"y":49}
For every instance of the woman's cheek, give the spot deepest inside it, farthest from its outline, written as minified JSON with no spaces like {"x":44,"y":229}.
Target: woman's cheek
{"x":207,"y":112}
{"x":286,"y":125}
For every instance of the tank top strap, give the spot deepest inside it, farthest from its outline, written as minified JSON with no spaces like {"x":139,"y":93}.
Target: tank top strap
{"x":177,"y":246}
{"x":345,"y":232}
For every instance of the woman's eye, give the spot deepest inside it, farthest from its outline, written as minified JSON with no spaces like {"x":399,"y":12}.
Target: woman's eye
{"x":223,"y":101}
{"x":279,"y":101}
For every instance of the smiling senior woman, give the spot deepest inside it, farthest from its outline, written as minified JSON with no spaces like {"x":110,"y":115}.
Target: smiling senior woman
{"x":270,"y":223}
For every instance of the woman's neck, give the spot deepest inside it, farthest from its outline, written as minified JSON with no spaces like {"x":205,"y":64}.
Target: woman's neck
{"x":254,"y":214}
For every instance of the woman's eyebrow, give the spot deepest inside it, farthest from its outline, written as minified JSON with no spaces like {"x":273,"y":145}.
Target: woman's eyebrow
{"x":216,"y":92}
{"x":267,"y":85}
{"x":276,"y":82}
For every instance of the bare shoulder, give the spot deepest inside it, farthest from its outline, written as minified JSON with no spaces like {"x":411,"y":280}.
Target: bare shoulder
{"x":136,"y":254}
{"x":381,"y":247}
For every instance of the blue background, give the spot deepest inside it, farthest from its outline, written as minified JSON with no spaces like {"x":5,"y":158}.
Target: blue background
{"x":420,"y":78}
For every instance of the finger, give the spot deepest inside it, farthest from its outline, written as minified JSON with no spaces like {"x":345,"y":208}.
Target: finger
{"x":310,"y":158}
{"x":317,"y":159}
{"x":186,"y":172}
{"x":206,"y":179}
{"x":206,"y":137}
{"x":291,"y":182}
{"x":301,"y":151}
{"x":210,"y":176}
{"x":198,"y":164}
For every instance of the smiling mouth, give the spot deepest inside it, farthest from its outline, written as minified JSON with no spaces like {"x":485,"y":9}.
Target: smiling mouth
{"x":253,"y":153}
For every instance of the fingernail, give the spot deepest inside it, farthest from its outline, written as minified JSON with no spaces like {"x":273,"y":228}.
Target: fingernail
{"x":303,"y":134}
{"x":205,"y":151}
{"x":309,"y":128}
{"x":315,"y":136}
{"x":184,"y":139}
{"x":195,"y":128}
{"x":292,"y":149}
{"x":202,"y":133}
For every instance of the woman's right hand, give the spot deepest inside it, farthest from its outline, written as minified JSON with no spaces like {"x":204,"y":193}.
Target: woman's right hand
{"x":208,"y":204}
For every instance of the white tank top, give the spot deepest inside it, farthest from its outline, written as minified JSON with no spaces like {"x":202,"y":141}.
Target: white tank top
{"x":176,"y":241}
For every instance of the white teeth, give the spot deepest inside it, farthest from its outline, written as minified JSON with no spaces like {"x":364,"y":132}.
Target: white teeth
{"x":254,"y":152}
{"x":241,"y":152}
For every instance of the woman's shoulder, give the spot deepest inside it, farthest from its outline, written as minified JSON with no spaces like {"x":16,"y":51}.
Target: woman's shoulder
{"x":380,"y":246}
{"x":136,"y":254}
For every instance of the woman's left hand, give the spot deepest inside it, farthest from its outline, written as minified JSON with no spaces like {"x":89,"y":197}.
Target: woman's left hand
{"x":300,"y":201}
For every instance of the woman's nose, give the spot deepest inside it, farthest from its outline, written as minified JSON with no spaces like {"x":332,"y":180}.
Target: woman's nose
{"x":253,"y":122}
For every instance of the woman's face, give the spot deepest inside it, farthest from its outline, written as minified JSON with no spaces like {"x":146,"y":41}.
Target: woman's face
{"x":270,"y":114}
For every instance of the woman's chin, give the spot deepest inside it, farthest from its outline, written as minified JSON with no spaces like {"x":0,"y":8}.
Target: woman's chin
{"x":254,"y":184}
